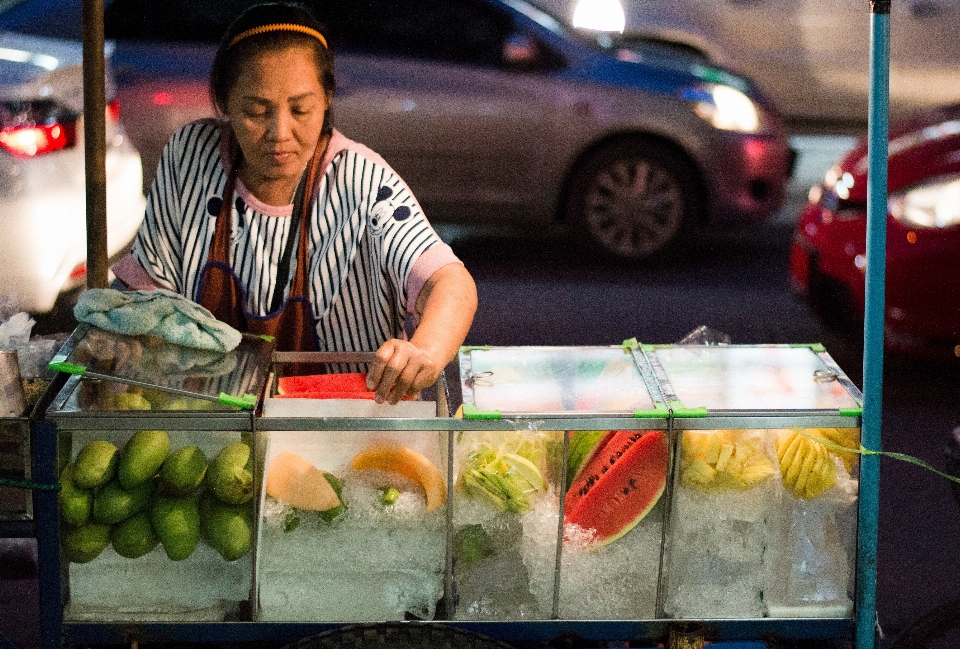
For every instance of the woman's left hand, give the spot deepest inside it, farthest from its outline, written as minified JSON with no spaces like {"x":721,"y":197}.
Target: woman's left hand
{"x":401,"y":369}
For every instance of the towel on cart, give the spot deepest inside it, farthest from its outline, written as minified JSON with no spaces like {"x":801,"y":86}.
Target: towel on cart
{"x":160,"y":313}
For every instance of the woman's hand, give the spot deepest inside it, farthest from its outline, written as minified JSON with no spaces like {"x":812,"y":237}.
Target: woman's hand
{"x":400,"y":370}
{"x":446,"y":305}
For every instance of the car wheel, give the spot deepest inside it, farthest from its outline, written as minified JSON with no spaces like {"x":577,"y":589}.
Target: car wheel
{"x":633,"y":198}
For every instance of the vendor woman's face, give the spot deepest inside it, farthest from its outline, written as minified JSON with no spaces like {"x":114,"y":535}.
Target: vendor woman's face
{"x":276,"y":109}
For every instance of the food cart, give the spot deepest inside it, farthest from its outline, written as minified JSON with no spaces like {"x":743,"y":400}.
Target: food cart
{"x":607,"y":492}
{"x":699,"y":428}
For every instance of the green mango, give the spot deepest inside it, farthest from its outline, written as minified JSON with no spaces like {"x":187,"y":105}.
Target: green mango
{"x":85,"y":543}
{"x":75,"y":503}
{"x":142,"y":457}
{"x":183,"y":470}
{"x":113,"y":503}
{"x":134,"y":537}
{"x":176,"y":522}
{"x":229,"y":474}
{"x":228,"y":529}
{"x":95,"y":464}
{"x":130,"y":401}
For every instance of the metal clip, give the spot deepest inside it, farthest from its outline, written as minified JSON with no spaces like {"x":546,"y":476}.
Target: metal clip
{"x":481,"y":379}
{"x":824,"y":376}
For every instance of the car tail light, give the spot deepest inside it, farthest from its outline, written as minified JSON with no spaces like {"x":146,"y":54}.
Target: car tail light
{"x":32,"y":128}
{"x":113,"y":110}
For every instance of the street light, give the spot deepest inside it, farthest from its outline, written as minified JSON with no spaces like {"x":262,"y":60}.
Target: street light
{"x":600,"y":15}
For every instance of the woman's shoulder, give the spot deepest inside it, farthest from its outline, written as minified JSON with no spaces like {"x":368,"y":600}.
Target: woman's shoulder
{"x":203,"y":133}
{"x":346,"y":149}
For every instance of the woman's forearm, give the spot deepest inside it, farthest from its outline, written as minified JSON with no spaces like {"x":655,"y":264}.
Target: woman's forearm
{"x":446,"y":306}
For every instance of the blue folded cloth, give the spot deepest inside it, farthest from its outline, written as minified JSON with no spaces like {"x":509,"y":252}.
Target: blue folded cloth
{"x":160,"y":313}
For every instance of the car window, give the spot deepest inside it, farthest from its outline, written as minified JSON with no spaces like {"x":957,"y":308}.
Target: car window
{"x":463,"y":31}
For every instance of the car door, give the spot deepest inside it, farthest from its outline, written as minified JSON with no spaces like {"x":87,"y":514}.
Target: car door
{"x":443,"y":91}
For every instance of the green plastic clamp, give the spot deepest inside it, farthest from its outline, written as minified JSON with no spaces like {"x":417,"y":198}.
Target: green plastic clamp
{"x":814,"y":347}
{"x":470,"y":412}
{"x":247,"y":401}
{"x":267,"y":337}
{"x":647,"y":347}
{"x":631,"y":343}
{"x":659,"y":410}
{"x":69,"y":368}
{"x":851,"y":412}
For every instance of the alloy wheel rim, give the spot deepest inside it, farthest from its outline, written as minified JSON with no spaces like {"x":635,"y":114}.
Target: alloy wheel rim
{"x":633,"y":207}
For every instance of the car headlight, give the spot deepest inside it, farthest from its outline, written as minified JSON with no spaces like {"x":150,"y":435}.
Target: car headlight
{"x":725,"y":108}
{"x":933,"y":205}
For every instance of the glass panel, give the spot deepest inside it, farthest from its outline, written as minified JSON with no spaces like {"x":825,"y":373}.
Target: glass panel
{"x":353,"y":526}
{"x":157,"y":525}
{"x":613,"y":524}
{"x":149,"y":362}
{"x":15,"y":503}
{"x":506,"y":508}
{"x":752,"y":378}
{"x":763,"y":523}
{"x":548,"y":379}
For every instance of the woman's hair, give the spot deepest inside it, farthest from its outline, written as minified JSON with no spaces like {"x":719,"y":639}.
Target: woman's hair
{"x":288,"y":25}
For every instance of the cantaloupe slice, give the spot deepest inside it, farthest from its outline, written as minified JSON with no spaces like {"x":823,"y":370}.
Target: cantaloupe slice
{"x":395,"y":458}
{"x":294,"y":480}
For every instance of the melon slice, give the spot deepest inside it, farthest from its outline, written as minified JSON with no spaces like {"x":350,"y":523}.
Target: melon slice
{"x":294,"y":480}
{"x":395,"y":458}
{"x":619,"y":485}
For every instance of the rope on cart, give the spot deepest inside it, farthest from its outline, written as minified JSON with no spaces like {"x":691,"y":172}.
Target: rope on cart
{"x":23,"y":484}
{"x":903,"y":457}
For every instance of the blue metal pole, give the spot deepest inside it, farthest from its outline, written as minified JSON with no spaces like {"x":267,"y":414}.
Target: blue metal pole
{"x":869,"y":504}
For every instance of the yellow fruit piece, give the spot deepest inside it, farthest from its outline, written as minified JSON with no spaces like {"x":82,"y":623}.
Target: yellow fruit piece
{"x":790,"y":451}
{"x":294,"y":480}
{"x":394,"y":458}
{"x":699,"y":472}
{"x":843,"y":437}
{"x":726,"y":452}
{"x":712,"y":451}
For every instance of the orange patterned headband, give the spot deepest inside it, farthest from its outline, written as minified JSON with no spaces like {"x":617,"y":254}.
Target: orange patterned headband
{"x":278,"y":27}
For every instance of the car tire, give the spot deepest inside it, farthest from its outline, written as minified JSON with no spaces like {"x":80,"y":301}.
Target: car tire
{"x":633,"y":198}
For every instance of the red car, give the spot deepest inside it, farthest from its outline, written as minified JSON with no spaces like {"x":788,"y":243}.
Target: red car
{"x":827,"y":257}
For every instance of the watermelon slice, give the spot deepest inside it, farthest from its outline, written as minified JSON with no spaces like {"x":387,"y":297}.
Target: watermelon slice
{"x":326,"y":386}
{"x":619,"y":485}
{"x":355,"y":382}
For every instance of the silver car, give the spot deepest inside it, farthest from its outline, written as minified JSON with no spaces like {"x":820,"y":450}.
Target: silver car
{"x":495,"y":112}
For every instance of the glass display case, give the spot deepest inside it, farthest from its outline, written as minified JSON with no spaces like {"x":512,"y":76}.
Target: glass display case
{"x":763,"y":517}
{"x":156,"y":465}
{"x":565,"y":489}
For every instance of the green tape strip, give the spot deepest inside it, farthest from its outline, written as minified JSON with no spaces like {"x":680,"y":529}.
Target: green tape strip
{"x":816,"y":347}
{"x":689,"y":413}
{"x":69,"y":368}
{"x":466,"y":349}
{"x":470,"y":412}
{"x":247,"y":401}
{"x":851,"y":412}
{"x":23,"y":484}
{"x":903,"y":457}
{"x":659,"y":410}
{"x":631,"y":343}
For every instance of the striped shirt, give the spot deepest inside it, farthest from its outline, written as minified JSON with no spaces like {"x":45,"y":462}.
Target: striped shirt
{"x":370,"y":247}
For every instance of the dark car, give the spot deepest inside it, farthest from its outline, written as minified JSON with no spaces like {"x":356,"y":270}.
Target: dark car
{"x":493,"y":111}
{"x":923,"y":237}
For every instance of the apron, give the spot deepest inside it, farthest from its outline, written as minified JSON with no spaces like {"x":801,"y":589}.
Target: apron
{"x":292,"y":325}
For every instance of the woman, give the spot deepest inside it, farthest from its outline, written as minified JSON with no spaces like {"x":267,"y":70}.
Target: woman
{"x":279,"y":224}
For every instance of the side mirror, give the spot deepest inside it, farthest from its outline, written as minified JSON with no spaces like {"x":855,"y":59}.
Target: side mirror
{"x":521,"y":51}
